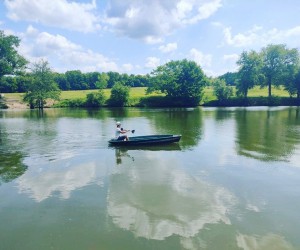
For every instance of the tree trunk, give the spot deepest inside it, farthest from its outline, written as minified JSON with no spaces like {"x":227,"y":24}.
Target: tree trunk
{"x":270,"y":88}
{"x":41,"y":104}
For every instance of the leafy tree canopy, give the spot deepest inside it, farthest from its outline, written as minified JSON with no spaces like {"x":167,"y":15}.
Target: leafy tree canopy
{"x":221,"y":90}
{"x":183,"y":80}
{"x":42,"y":86}
{"x":229,"y":77}
{"x":11,"y":62}
{"x":119,"y":95}
{"x":249,"y":74}
{"x":277,"y":62}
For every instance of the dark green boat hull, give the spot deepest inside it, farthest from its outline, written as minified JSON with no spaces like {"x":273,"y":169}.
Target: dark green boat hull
{"x":146,"y":140}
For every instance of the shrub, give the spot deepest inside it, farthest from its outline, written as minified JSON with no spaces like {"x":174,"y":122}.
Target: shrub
{"x":95,"y":99}
{"x":221,"y":90}
{"x":73,"y":103}
{"x":119,"y":95}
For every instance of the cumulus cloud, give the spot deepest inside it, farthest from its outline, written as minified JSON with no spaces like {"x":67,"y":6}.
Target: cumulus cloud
{"x":258,"y":36}
{"x":168,"y":47}
{"x":202,"y":11}
{"x":66,"y":14}
{"x":127,"y":67}
{"x":231,"y":57}
{"x":204,"y":60}
{"x":152,"y":62}
{"x":57,"y":48}
{"x":240,"y":39}
{"x":152,"y":20}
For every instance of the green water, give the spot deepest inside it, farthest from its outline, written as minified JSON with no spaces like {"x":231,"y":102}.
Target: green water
{"x":232,"y":182}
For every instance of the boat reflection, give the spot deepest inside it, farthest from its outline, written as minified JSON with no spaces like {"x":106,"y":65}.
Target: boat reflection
{"x":122,"y":152}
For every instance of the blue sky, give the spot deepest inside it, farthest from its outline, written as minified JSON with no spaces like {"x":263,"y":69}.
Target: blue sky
{"x":135,"y":36}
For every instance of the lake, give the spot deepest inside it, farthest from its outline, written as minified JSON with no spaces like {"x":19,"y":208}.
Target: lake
{"x":232,"y":182}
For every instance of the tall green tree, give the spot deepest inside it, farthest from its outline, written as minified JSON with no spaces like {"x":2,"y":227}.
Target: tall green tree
{"x":297,"y":83}
{"x":42,"y":86}
{"x":8,"y":84}
{"x":229,"y":78}
{"x":102,"y":81}
{"x":91,"y":78}
{"x":61,"y":80}
{"x":98,"y":99}
{"x":182,"y":80}
{"x":221,"y":90}
{"x":277,"y":60}
{"x":11,"y":62}
{"x":119,"y":95}
{"x":76,"y":80}
{"x":114,"y":77}
{"x":249,"y":74}
{"x":293,"y":83}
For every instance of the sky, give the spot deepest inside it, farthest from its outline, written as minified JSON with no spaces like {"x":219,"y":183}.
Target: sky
{"x":136,"y":36}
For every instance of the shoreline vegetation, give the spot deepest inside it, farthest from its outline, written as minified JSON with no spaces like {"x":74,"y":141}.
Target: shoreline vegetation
{"x":269,"y":77}
{"x":138,"y":98}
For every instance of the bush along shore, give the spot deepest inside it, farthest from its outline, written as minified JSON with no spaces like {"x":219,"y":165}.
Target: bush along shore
{"x":160,"y":101}
{"x":3,"y":104}
{"x":254,"y":101}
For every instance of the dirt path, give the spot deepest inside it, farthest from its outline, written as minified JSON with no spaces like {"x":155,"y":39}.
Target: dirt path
{"x":15,"y":104}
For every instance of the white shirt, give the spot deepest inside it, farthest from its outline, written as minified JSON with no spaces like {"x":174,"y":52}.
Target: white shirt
{"x":118,"y":132}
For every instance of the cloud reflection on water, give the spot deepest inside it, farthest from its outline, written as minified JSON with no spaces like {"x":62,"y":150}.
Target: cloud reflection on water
{"x":156,"y":199}
{"x":269,"y":241}
{"x":62,"y":176}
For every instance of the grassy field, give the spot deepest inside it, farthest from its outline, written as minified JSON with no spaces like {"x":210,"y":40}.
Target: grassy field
{"x":137,"y":93}
{"x":80,"y":94}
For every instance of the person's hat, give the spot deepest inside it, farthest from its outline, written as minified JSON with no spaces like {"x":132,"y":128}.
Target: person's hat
{"x":118,"y":123}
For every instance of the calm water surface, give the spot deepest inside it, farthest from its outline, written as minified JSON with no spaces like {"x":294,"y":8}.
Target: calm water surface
{"x":233,"y":181}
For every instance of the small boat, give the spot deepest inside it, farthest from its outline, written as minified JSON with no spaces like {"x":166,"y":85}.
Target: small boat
{"x":146,"y":140}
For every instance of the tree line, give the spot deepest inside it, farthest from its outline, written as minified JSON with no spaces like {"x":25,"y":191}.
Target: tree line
{"x":72,"y":80}
{"x":181,"y":81}
{"x":274,"y":65}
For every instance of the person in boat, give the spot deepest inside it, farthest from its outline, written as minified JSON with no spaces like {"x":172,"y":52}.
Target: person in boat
{"x":121,"y":133}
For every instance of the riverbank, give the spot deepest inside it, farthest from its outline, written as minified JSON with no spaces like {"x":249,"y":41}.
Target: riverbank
{"x":160,"y":102}
{"x":138,"y":98}
{"x":13,"y":104}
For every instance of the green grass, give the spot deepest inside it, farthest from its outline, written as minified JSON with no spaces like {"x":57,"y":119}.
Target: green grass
{"x":257,"y":91}
{"x":77,"y":94}
{"x":137,"y":93}
{"x":14,"y":96}
{"x":208,"y":94}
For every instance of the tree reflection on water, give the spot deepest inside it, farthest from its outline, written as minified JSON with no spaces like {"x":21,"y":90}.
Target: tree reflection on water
{"x":267,"y":135}
{"x":11,"y":166}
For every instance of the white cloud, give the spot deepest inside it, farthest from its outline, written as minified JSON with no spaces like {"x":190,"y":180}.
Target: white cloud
{"x":56,"y":13}
{"x":127,"y":67}
{"x":258,"y":36}
{"x":231,"y":57}
{"x":61,"y":52}
{"x":240,"y":40}
{"x":150,"y":21}
{"x":152,"y":62}
{"x":168,"y":47}
{"x":204,"y":60}
{"x":204,"y":11}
